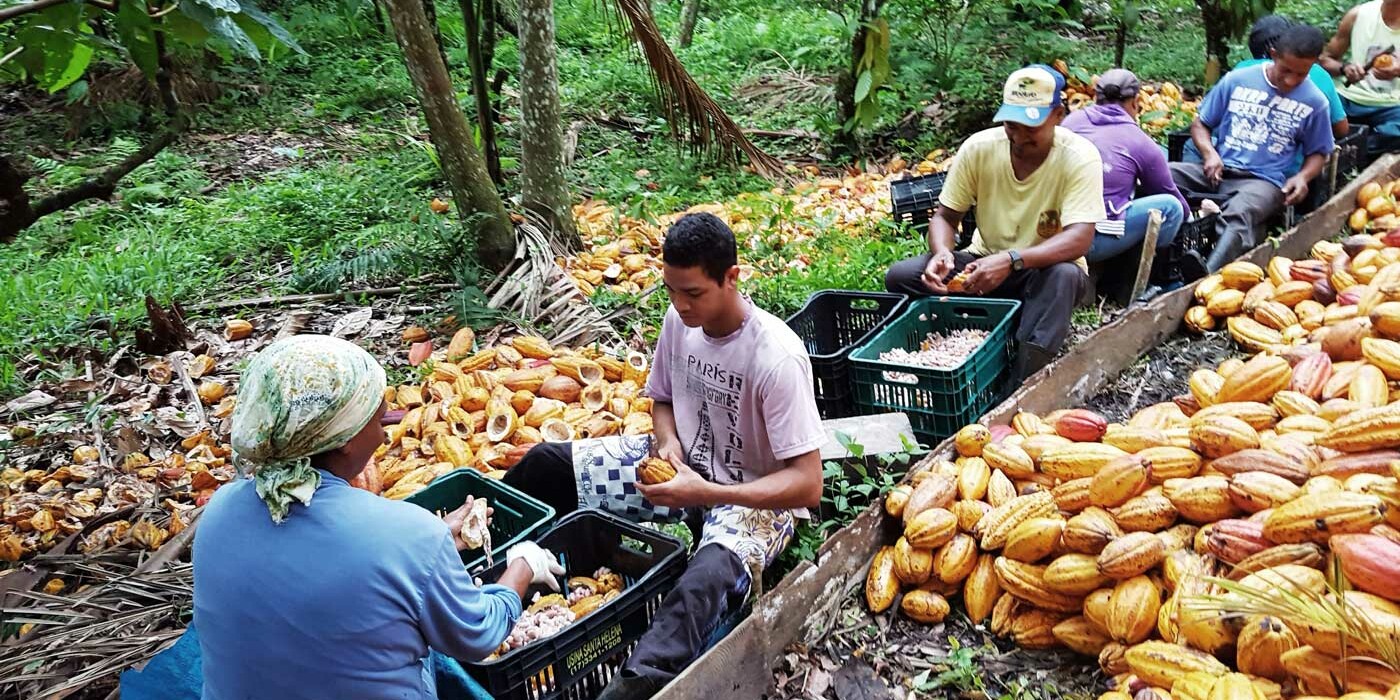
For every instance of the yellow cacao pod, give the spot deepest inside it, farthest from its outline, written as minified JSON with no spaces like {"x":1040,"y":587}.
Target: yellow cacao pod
{"x":1161,"y":663}
{"x":954,"y":561}
{"x":1262,"y":643}
{"x":1132,"y":610}
{"x":1034,"y":539}
{"x":881,"y":585}
{"x":1315,"y":517}
{"x":924,"y":606}
{"x":1218,"y":436}
{"x":981,"y":589}
{"x":1199,"y":319}
{"x":1257,"y":380}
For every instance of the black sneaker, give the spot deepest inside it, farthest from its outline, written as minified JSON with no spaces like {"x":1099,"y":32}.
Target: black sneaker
{"x":1193,"y":266}
{"x":624,"y":686}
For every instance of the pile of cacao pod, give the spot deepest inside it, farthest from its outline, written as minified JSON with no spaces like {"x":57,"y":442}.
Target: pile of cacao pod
{"x":623,"y":253}
{"x":39,"y":507}
{"x":1067,"y":530}
{"x":1160,"y":105}
{"x":485,"y":409}
{"x":1342,"y":293}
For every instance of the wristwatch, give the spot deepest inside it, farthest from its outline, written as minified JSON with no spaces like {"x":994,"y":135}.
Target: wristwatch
{"x":1017,"y":264}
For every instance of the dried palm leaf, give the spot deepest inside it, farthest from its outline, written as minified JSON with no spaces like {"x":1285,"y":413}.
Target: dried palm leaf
{"x":1296,"y":605}
{"x":692,"y":115}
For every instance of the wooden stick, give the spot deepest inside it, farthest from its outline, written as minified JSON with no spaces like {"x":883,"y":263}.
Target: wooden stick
{"x":254,"y":302}
{"x":1149,"y":251}
{"x":178,"y":359}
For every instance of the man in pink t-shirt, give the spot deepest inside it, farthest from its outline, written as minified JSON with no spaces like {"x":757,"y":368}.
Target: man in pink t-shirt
{"x":735,"y":415}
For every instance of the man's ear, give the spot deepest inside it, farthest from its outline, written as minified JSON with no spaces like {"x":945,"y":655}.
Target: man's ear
{"x":731,"y":276}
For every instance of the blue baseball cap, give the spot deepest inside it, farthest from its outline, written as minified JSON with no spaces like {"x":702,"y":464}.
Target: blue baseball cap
{"x":1031,"y":93}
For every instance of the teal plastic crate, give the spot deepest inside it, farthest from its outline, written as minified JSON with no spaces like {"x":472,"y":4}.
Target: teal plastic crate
{"x":938,"y":401}
{"x":517,"y":516}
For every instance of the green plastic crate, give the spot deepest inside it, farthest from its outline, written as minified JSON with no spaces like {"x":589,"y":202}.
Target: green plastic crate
{"x":517,"y":516}
{"x":938,"y":401}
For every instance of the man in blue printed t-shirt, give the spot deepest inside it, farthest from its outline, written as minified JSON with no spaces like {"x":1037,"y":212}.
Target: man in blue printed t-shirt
{"x":1262,"y":116}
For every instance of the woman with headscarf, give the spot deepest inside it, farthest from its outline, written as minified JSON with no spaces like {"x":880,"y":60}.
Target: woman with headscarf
{"x":306,"y":587}
{"x":1136,"y":179}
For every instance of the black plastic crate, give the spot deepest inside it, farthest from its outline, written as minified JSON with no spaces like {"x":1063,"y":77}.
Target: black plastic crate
{"x":1352,"y":155}
{"x":1198,"y":233}
{"x":914,"y":199}
{"x":578,"y":662}
{"x":937,"y":401}
{"x":1176,"y":145}
{"x":831,"y":324}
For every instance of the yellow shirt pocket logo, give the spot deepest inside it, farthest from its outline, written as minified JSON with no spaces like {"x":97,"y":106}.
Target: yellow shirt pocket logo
{"x":1048,"y":225}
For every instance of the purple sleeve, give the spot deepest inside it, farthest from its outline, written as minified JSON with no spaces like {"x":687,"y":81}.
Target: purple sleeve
{"x":790,"y":409}
{"x":1213,"y":106}
{"x":1153,"y":172}
{"x":459,"y":618}
{"x":1317,"y":133}
{"x":659,"y":380}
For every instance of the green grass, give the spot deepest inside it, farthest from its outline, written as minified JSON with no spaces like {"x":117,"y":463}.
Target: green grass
{"x":80,"y":278}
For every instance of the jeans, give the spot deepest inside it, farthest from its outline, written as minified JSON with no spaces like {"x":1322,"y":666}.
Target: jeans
{"x":1384,"y":123}
{"x":1135,"y":227}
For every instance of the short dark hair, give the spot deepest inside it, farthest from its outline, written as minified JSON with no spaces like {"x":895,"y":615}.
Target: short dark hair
{"x":701,"y":240}
{"x":1265,"y":33}
{"x":1301,"y":40}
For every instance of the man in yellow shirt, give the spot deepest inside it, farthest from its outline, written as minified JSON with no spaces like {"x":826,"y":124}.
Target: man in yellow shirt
{"x":1038,"y":189}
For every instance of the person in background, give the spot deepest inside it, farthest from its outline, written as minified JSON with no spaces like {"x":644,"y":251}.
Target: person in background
{"x":1262,"y":37}
{"x":307,"y":587}
{"x":1038,"y":189}
{"x":1361,"y":57}
{"x":1133,"y":164}
{"x":735,"y":415}
{"x":1263,"y":117}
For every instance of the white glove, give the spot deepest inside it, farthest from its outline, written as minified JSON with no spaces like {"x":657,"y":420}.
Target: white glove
{"x":542,"y":564}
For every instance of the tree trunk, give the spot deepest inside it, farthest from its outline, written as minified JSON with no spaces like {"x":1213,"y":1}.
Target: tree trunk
{"x":846,"y":81}
{"x":689,"y":12}
{"x":544,"y":193}
{"x":480,"y":65}
{"x":430,"y":11}
{"x":1120,"y":44}
{"x":1217,"y":29}
{"x":462,"y":163}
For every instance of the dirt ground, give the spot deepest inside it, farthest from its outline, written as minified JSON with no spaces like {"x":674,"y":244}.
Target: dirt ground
{"x":1162,"y":374}
{"x":891,"y":657}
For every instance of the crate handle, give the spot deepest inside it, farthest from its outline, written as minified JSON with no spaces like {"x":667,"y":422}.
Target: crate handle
{"x":977,"y":311}
{"x":864,"y":305}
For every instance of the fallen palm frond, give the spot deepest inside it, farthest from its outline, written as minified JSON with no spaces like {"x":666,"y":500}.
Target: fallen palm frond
{"x":785,"y":88}
{"x":536,"y":294}
{"x":1328,"y":611}
{"x":692,"y":115}
{"x":122,"y":617}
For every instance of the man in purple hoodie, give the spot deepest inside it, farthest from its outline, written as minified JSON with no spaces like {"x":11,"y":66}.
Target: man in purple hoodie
{"x":1132,"y":164}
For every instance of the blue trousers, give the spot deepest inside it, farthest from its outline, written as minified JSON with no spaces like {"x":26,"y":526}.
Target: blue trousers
{"x":1384,"y":123}
{"x":1135,"y":227}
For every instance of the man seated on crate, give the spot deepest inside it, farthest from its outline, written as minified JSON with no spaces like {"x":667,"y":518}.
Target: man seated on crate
{"x":735,"y":415}
{"x":1361,"y":58}
{"x":1263,"y":36}
{"x":1262,"y":116}
{"x":1038,"y":189}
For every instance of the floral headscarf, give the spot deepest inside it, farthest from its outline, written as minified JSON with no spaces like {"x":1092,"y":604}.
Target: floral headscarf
{"x":301,"y":396}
